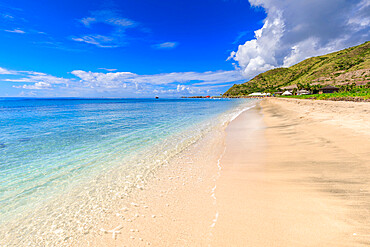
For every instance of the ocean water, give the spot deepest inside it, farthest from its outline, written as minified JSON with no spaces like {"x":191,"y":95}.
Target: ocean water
{"x":49,"y":146}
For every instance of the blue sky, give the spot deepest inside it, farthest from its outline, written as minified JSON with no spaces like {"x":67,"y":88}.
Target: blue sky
{"x":172,"y":48}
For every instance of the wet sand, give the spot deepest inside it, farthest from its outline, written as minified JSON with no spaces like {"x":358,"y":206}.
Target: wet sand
{"x":299,"y":177}
{"x":176,"y":207}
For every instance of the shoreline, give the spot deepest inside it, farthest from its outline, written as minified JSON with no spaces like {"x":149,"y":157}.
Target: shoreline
{"x":282,"y":173}
{"x":105,"y":214}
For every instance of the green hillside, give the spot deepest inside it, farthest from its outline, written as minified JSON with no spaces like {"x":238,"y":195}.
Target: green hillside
{"x":351,"y":65}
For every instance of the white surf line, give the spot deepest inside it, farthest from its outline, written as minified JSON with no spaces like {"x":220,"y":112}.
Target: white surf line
{"x":213,"y":191}
{"x":360,"y":235}
{"x":237,"y":115}
{"x":241,"y":111}
{"x":215,"y":220}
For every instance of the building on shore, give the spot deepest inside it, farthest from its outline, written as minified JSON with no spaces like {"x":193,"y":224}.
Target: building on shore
{"x":328,"y":89}
{"x":259,"y":94}
{"x":303,"y":92}
{"x":277,"y":93}
{"x":290,"y":88}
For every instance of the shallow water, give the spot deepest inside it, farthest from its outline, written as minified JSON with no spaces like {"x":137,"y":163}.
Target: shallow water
{"x":51,"y":147}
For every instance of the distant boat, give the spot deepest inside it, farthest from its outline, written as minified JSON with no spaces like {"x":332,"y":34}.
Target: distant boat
{"x":156,"y":97}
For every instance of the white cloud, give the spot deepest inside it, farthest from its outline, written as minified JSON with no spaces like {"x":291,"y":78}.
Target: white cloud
{"x":177,"y":83}
{"x":39,"y":77}
{"x":295,"y":30}
{"x":40,"y":80}
{"x":104,"y":80}
{"x":15,"y":31}
{"x":362,"y":17}
{"x":179,"y":90}
{"x":209,"y":77}
{"x":98,"y":40}
{"x":115,"y":38}
{"x":114,"y":79}
{"x":7,"y":16}
{"x":108,"y":17}
{"x":122,"y":83}
{"x":87,"y":21}
{"x":37,"y":85}
{"x":110,"y":70}
{"x":6,"y":72}
{"x":258,"y":55}
{"x":166,"y":45}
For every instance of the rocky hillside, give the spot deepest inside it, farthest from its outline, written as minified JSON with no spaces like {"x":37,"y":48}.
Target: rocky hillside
{"x":351,"y":65}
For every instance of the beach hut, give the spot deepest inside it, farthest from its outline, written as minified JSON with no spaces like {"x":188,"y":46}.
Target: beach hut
{"x":328,"y":89}
{"x":277,"y":93}
{"x":289,"y":88}
{"x":303,"y":92}
{"x":257,"y":94}
{"x":287,"y":93}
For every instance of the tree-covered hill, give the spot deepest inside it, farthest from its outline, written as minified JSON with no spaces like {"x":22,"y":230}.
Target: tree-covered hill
{"x":348,"y":66}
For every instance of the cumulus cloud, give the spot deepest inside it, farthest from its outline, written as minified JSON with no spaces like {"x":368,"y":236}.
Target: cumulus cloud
{"x":37,"y":85}
{"x":122,"y":83}
{"x":259,"y":54}
{"x":105,"y":80}
{"x":177,"y":83}
{"x":166,"y":45}
{"x":115,"y":79}
{"x":39,"y":80}
{"x":295,"y":30}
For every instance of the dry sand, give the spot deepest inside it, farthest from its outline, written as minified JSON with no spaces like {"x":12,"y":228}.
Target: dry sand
{"x":303,"y":180}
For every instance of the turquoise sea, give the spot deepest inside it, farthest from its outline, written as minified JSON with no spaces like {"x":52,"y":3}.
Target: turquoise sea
{"x":48,"y":146}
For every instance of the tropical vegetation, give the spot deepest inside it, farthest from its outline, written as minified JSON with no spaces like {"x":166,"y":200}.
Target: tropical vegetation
{"x":346,"y":92}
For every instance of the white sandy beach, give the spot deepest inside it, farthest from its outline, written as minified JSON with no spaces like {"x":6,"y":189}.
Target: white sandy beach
{"x":303,"y":180}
